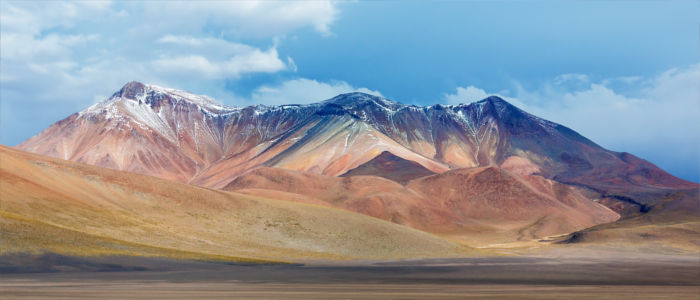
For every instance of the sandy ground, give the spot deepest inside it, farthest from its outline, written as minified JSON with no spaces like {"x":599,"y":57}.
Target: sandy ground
{"x":54,"y":276}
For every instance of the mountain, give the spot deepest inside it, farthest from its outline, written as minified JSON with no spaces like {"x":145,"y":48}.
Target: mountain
{"x":188,"y":138}
{"x":76,"y":209}
{"x":176,"y":135}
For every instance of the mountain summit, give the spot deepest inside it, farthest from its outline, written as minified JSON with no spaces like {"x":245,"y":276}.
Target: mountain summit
{"x":191,"y":138}
{"x":155,"y":96}
{"x":357,"y":100}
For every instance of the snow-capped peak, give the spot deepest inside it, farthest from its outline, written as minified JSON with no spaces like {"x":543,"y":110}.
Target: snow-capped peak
{"x":143,"y":105}
{"x":356,"y":100}
{"x":150,"y":93}
{"x":201,"y":100}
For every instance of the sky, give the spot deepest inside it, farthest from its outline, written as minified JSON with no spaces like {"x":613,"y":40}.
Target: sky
{"x":625,"y":74}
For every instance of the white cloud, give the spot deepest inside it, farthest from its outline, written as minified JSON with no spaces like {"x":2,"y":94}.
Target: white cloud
{"x":683,"y":83}
{"x":72,"y":51}
{"x":217,"y":58}
{"x":250,"y":61}
{"x":665,"y":108}
{"x":472,"y":94}
{"x":301,"y":91}
{"x":184,"y":40}
{"x":20,"y":47}
{"x":210,"y":44}
{"x":662,"y":105}
{"x":465,"y":95}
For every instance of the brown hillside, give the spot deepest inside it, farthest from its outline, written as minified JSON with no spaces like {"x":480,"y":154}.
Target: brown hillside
{"x":140,"y":215}
{"x":477,"y":205}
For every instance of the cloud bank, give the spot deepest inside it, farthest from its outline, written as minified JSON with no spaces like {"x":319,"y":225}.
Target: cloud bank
{"x":70,"y":51}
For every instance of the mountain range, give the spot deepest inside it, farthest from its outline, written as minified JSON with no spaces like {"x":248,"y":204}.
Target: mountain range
{"x":484,"y":173}
{"x":189,"y":138}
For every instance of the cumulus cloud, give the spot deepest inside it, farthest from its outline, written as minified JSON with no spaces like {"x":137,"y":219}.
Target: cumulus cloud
{"x":471,"y":93}
{"x":217,"y":58}
{"x":301,"y":91}
{"x":664,"y":107}
{"x":185,"y":40}
{"x":465,"y":95}
{"x":662,"y":111}
{"x":251,"y":61}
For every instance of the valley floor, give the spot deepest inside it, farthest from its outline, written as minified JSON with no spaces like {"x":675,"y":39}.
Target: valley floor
{"x":218,"y":290}
{"x":594,"y":275}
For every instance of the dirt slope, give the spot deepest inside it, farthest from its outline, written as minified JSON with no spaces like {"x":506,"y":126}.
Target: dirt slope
{"x":476,"y":205}
{"x":672,"y":226}
{"x":49,"y":197}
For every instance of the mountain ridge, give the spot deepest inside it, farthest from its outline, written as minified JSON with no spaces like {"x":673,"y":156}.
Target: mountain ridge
{"x":190,"y":138}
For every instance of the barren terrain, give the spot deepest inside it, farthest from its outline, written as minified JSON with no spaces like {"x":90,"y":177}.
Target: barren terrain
{"x":60,"y":206}
{"x":605,"y":275}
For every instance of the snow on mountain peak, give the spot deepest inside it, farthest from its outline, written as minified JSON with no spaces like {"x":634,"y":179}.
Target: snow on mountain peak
{"x":357,"y":99}
{"x":201,"y":100}
{"x":153,"y":95}
{"x":143,"y":105}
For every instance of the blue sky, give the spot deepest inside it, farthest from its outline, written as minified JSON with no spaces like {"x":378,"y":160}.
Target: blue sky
{"x":625,"y":74}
